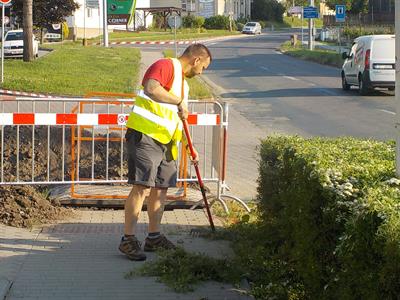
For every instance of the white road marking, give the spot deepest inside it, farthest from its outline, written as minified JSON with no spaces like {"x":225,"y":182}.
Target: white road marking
{"x":277,"y":52}
{"x":388,"y":111}
{"x":264,"y":68}
{"x":291,"y":78}
{"x":210,"y":44}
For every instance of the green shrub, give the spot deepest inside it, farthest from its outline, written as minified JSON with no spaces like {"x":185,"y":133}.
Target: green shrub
{"x":192,"y":21}
{"x":239,"y":26}
{"x":331,"y":212}
{"x":217,"y":22}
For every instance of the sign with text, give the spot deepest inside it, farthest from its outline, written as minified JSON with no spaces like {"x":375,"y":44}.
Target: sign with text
{"x":310,"y":12}
{"x":119,"y":12}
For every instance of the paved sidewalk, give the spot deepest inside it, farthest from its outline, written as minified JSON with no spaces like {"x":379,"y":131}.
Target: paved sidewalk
{"x":78,"y":259}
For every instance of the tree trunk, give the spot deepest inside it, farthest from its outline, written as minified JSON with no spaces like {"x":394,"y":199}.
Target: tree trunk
{"x":27,"y":27}
{"x":42,"y":35}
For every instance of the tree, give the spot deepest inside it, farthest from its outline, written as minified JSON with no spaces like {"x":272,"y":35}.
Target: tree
{"x":27,"y":27}
{"x":267,"y":10}
{"x":47,"y":12}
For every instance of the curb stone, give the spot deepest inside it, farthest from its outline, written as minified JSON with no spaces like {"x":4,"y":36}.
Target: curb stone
{"x":5,"y":286}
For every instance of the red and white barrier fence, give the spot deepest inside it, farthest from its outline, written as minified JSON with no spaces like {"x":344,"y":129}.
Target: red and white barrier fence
{"x":81,"y":141}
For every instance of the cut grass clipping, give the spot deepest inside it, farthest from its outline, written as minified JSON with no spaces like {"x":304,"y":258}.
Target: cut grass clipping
{"x":181,"y":270}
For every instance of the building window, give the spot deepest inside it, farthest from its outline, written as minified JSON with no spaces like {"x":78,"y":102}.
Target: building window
{"x":188,"y":5}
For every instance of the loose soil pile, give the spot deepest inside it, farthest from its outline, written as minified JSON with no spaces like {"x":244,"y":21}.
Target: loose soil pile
{"x":25,"y":206}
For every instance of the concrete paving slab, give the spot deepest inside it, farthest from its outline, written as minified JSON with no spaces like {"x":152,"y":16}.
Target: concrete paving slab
{"x":78,"y":258}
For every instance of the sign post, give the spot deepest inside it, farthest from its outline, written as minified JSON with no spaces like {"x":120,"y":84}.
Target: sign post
{"x":3,"y":5}
{"x":310,"y":13}
{"x":340,"y":18}
{"x":105,"y":24}
{"x":175,"y":22}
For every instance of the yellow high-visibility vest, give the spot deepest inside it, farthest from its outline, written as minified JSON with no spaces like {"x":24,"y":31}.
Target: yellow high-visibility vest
{"x":160,"y":120}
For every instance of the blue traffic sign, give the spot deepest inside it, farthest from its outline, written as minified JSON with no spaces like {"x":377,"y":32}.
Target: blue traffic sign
{"x":310,"y":12}
{"x":340,"y":13}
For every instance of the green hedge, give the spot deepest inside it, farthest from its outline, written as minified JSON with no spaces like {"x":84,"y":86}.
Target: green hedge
{"x":217,"y":22}
{"x":352,"y":32}
{"x":331,"y":210}
{"x":192,"y":21}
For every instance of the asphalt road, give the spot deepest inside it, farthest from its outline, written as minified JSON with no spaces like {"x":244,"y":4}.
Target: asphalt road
{"x":286,"y":95}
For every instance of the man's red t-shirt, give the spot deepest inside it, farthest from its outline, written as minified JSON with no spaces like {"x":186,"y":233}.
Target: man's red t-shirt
{"x":162,"y":71}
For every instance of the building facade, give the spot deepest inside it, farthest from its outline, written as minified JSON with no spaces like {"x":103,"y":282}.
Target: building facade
{"x":87,"y":21}
{"x":208,"y":8}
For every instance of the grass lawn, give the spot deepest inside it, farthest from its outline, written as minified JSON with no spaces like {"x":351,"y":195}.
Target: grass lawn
{"x":198,"y":89}
{"x":183,"y":34}
{"x":72,"y":69}
{"x":324,"y":57}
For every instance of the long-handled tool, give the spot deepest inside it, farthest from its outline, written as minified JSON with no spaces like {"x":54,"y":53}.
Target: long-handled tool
{"x":201,"y":184}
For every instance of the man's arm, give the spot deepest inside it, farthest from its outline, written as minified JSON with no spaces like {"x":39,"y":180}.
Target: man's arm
{"x":156,"y":92}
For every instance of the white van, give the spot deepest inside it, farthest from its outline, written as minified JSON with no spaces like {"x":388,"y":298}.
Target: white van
{"x":371,"y":63}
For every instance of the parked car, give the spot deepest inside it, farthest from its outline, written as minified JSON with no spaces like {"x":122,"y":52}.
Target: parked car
{"x":14,"y":44}
{"x":252,"y":28}
{"x":371,"y":63}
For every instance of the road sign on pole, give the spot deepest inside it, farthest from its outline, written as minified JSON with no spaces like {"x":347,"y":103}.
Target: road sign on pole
{"x":310,"y":12}
{"x":340,"y":13}
{"x":5,"y":1}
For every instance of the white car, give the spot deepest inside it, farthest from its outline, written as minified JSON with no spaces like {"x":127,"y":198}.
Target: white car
{"x":371,"y":63}
{"x":252,"y":28}
{"x":14,"y":44}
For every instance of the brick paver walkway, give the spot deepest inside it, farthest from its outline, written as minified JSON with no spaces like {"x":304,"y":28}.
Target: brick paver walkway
{"x":78,"y":259}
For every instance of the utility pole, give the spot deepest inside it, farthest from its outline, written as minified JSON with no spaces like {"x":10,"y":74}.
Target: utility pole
{"x":105,"y":25}
{"x":397,"y":3}
{"x":311,"y":30}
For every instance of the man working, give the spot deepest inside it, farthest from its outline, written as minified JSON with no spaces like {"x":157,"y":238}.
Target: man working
{"x":154,"y":129}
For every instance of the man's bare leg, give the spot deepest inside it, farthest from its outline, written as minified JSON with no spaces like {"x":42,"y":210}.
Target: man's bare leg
{"x":155,"y":208}
{"x":133,"y":207}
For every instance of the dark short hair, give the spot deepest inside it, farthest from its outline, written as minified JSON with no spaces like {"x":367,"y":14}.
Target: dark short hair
{"x":197,"y":50}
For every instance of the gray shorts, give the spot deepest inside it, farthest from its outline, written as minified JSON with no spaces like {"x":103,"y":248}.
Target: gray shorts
{"x":150,"y":163}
